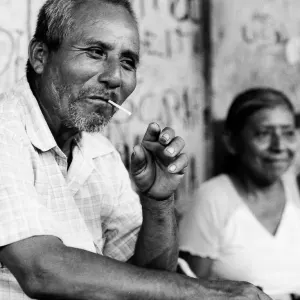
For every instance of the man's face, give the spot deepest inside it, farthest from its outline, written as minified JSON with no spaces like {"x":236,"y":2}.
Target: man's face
{"x":95,"y":64}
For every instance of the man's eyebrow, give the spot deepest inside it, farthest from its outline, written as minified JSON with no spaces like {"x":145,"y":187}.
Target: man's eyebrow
{"x":103,"y":45}
{"x":135,"y":56}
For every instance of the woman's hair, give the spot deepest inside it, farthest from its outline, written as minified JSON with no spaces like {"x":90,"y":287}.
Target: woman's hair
{"x":250,"y":101}
{"x":56,"y":22}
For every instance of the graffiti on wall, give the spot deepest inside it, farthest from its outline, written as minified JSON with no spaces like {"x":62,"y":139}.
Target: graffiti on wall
{"x":12,"y":61}
{"x":180,"y":10}
{"x":168,"y":107}
{"x":13,"y":42}
{"x":7,"y":49}
{"x":4,"y":2}
{"x":251,"y":51}
{"x":263,"y":29}
{"x":169,"y":42}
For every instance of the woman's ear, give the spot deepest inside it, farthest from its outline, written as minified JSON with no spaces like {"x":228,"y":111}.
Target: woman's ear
{"x":38,"y":55}
{"x":229,"y":143}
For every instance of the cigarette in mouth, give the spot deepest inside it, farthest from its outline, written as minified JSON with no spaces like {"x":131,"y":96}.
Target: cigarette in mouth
{"x":119,"y":107}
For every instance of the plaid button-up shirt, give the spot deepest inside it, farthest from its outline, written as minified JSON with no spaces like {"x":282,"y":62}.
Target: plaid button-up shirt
{"x":90,"y":206}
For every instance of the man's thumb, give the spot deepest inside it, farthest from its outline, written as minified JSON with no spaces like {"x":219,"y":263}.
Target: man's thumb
{"x":138,"y":160}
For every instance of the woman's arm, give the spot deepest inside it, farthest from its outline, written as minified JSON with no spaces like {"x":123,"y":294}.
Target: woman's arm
{"x":200,"y":266}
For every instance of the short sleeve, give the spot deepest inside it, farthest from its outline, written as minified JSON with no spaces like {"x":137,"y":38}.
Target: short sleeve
{"x":122,"y":228}
{"x":22,"y":214}
{"x":200,"y":227}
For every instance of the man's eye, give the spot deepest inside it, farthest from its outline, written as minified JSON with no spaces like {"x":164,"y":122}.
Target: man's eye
{"x":96,"y":53}
{"x":129,"y":64}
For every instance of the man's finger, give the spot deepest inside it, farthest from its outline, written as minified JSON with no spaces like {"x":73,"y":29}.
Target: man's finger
{"x":175,"y":147}
{"x":166,"y":135}
{"x":166,"y":152}
{"x":138,"y":160}
{"x":158,"y":151}
{"x":179,"y":164}
{"x":152,"y":133}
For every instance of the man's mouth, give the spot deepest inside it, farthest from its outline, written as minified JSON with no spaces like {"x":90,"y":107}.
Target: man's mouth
{"x":101,"y":98}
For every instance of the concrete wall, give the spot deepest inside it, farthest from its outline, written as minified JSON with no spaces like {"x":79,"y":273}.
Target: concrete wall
{"x":255,"y":42}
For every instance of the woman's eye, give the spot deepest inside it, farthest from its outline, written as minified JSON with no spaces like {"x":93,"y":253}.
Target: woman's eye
{"x":289,"y":133}
{"x":262,"y":134}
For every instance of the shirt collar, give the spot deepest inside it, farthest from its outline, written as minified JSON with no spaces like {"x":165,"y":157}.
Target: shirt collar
{"x":92,"y":144}
{"x":36,"y":126}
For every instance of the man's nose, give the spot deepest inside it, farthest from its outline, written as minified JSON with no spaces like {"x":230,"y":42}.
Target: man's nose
{"x":111,"y":75}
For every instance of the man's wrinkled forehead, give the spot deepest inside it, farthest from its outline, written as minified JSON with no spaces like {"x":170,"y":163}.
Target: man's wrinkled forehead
{"x":92,"y":11}
{"x":97,"y":18}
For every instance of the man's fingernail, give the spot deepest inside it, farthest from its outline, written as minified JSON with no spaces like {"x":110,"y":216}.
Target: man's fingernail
{"x":133,"y":152}
{"x":172,"y":168}
{"x":155,"y":125}
{"x":165,"y":137}
{"x":171,"y":150}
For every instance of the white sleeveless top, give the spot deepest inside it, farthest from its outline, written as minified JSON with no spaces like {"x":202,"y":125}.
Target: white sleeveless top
{"x":219,"y":225}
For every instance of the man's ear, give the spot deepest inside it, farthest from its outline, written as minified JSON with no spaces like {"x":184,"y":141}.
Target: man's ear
{"x":38,"y":54}
{"x":229,"y":143}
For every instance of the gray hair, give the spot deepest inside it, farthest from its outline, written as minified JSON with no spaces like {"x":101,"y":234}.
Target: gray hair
{"x":55,"y":21}
{"x":246,"y":103}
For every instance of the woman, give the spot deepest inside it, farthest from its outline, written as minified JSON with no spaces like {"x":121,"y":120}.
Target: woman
{"x":245,"y":224}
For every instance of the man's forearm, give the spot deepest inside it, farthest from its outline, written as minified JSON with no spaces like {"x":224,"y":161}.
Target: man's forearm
{"x":157,"y":245}
{"x":78,"y":274}
{"x":47,"y":269}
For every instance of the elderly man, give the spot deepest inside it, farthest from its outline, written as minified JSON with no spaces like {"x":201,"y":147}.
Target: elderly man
{"x":70,"y":222}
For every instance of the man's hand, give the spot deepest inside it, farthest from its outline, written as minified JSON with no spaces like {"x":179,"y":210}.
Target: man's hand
{"x":233,"y":290}
{"x":157,"y":165}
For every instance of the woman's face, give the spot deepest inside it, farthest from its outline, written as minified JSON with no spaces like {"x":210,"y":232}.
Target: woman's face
{"x":267,"y":144}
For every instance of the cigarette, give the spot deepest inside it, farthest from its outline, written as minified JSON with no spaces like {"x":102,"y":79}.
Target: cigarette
{"x":119,"y":107}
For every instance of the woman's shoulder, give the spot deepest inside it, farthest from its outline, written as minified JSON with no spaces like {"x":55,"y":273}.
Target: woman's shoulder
{"x":220,"y":184}
{"x":291,"y":182}
{"x":218,"y":193}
